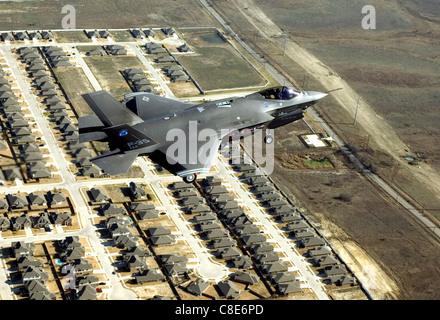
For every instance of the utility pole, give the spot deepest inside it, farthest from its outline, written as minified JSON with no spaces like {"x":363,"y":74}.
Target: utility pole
{"x":357,"y":107}
{"x":285,"y":40}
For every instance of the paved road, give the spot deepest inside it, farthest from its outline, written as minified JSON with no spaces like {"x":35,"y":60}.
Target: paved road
{"x":286,"y":245}
{"x":95,"y":84}
{"x":207,"y":268}
{"x":117,"y":290}
{"x":374,"y":178}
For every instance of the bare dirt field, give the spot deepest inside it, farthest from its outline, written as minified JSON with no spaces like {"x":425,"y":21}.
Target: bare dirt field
{"x":102,"y":14}
{"x":373,"y":221}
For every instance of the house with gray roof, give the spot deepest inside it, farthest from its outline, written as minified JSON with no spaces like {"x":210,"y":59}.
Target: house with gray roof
{"x":158,"y":231}
{"x":136,"y":33}
{"x":253,"y":239}
{"x":274,"y":267}
{"x":16,"y":201}
{"x":134,"y":263}
{"x":228,"y":253}
{"x":63,"y":219}
{"x":21,"y":35}
{"x":318,"y":251}
{"x":265,"y":258}
{"x":184,"y":48}
{"x":141,"y":206}
{"x":5,"y":223}
{"x":87,"y":292}
{"x":205,"y":216}
{"x":37,"y":66}
{"x":91,"y":171}
{"x":164,"y":59}
{"x":326,"y":260}
{"x":149,"y":33}
{"x":197,"y":287}
{"x":223,"y":243}
{"x":6,"y":94}
{"x":98,"y":195}
{"x":72,"y":136}
{"x":212,"y":190}
{"x":137,"y":191}
{"x":126,"y":241}
{"x":215,"y":234}
{"x":70,"y":255}
{"x":117,"y":229}
{"x":31,"y":156}
{"x":149,"y":275}
{"x":241,"y":262}
{"x":209,"y":225}
{"x":87,"y":279}
{"x":246,"y":230}
{"x":21,"y":248}
{"x":28,"y":261}
{"x":24,"y":139}
{"x":82,"y":266}
{"x":60,"y":63}
{"x":7,"y":36}
{"x":199,"y":208}
{"x":42,"y":221}
{"x":163,"y":240}
{"x":288,"y":287}
{"x":96,"y":52}
{"x":35,"y":35}
{"x":261,"y":248}
{"x":173,"y":258}
{"x":282,"y":277}
{"x":175,"y":269}
{"x":228,"y":289}
{"x":297,"y":225}
{"x":56,"y":198}
{"x":342,"y":280}
{"x":148,"y":214}
{"x":68,"y":243}
{"x":110,"y":209}
{"x":33,"y":286}
{"x":47,"y":35}
{"x":34,"y":273}
{"x":245,"y":277}
{"x":334,"y":270}
{"x":140,"y":251}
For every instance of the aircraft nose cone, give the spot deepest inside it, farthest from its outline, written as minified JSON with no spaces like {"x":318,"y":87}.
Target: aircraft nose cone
{"x":316,"y":95}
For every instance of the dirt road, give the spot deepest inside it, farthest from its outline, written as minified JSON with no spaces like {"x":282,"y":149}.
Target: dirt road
{"x":382,"y":133}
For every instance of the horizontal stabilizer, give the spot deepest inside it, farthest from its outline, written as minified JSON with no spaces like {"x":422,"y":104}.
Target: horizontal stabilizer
{"x":115,"y":162}
{"x":109,"y":110}
{"x":92,"y":136}
{"x":89,"y":121}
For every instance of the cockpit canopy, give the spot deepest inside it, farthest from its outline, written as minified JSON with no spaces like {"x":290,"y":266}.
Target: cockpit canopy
{"x":280,"y":93}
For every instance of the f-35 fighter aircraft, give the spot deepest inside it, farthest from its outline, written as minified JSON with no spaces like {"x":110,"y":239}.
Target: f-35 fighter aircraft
{"x":147,"y":124}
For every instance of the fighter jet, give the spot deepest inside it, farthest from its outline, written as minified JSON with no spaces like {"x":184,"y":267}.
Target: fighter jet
{"x":148,"y":124}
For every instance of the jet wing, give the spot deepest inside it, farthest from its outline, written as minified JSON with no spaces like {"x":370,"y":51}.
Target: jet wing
{"x":188,"y":156}
{"x":115,"y":162}
{"x":109,"y":110}
{"x":151,"y":106}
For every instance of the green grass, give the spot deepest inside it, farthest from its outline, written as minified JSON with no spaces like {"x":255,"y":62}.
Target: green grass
{"x":75,"y":84}
{"x":71,"y":36}
{"x":220,"y":68}
{"x":217,"y":64}
{"x":324,"y":162}
{"x":107,"y":70}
